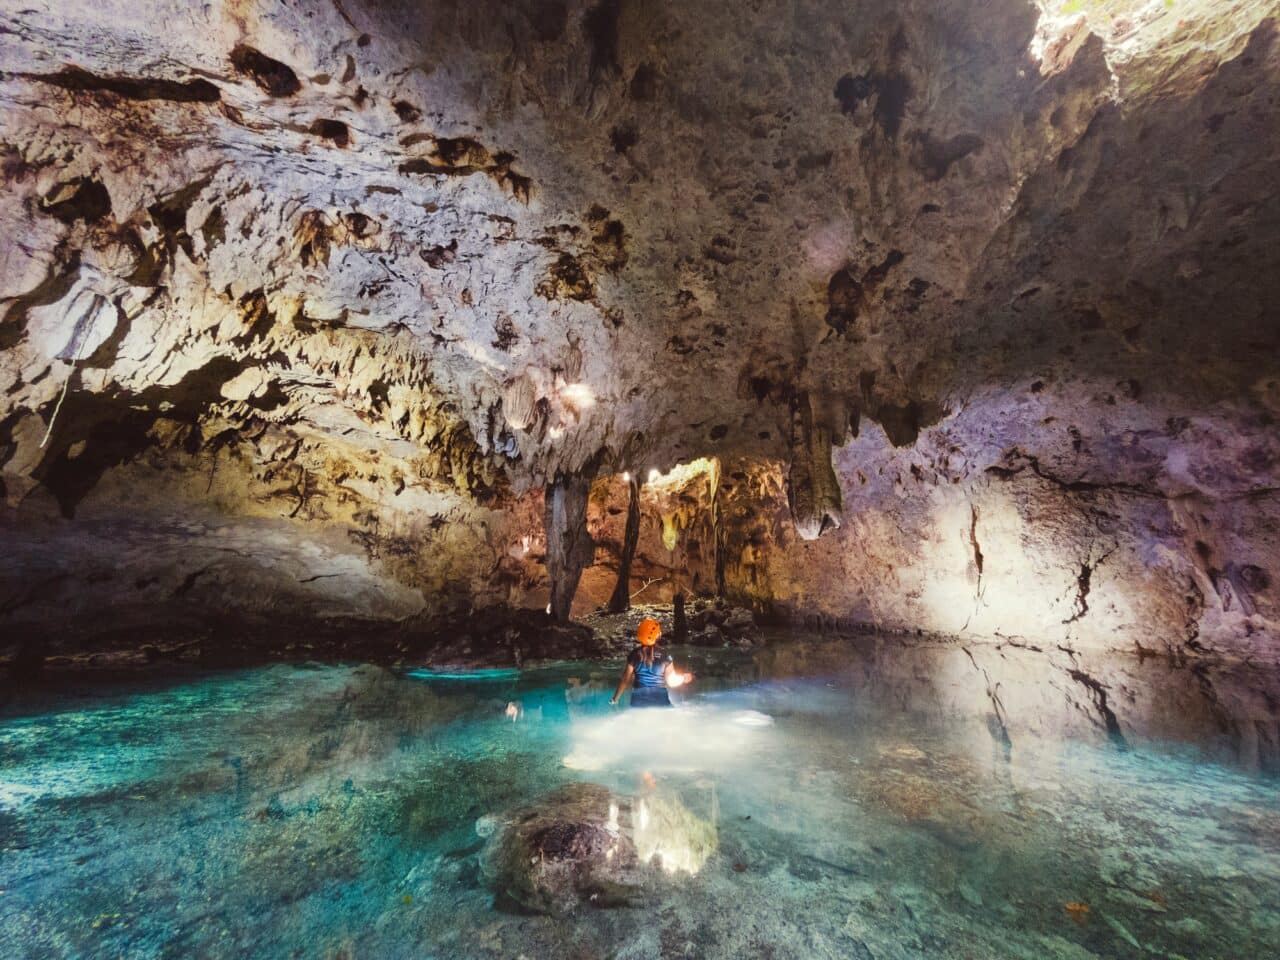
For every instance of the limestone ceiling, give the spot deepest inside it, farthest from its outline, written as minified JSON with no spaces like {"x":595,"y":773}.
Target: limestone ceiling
{"x":551,"y":228}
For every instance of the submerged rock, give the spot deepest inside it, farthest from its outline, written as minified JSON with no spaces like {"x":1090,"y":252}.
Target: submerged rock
{"x":584,"y":845}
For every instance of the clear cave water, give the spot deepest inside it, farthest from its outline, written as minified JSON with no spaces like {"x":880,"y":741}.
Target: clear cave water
{"x":337,"y":811}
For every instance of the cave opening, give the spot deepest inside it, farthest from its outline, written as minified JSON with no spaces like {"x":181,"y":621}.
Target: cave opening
{"x":640,"y":479}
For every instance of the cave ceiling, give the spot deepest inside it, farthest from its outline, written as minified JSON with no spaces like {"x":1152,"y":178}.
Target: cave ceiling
{"x":637,"y":228}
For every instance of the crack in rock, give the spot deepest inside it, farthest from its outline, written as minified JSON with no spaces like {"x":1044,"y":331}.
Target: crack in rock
{"x":1098,"y":694}
{"x":1084,"y":583}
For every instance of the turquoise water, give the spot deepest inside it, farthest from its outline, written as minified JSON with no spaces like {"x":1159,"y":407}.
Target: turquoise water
{"x":332,"y":812}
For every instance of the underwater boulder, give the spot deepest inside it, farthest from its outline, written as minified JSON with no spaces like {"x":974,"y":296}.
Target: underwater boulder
{"x":582,"y":844}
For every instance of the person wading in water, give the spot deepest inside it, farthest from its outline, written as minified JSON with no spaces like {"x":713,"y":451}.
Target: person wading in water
{"x":650,"y":669}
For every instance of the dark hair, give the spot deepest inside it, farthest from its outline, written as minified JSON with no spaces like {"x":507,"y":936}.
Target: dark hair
{"x":648,"y":654}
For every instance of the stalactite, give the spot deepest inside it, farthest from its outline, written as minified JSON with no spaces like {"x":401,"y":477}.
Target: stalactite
{"x":718,"y":533}
{"x":671,"y":530}
{"x":569,"y":545}
{"x":621,"y":599}
{"x":813,"y":492}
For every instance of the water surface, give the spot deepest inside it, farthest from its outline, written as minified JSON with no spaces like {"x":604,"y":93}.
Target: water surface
{"x":865,"y":805}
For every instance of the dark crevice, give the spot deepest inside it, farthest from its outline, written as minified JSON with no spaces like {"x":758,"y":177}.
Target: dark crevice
{"x":567,"y":279}
{"x":56,"y":285}
{"x":1016,"y":461}
{"x":275,"y":78}
{"x":934,"y":157}
{"x":891,"y":90}
{"x":600,"y":25}
{"x":170,"y":215}
{"x":1098,"y":694}
{"x":973,"y":541}
{"x":318,"y":576}
{"x":849,"y":288}
{"x":464,"y":156}
{"x":623,"y":137}
{"x":189,"y":581}
{"x":115,"y":428}
{"x":1084,"y":583}
{"x":902,"y":423}
{"x":82,"y":198}
{"x":131,"y":88}
{"x":334,"y":131}
{"x":406,"y":111}
{"x":41,"y":590}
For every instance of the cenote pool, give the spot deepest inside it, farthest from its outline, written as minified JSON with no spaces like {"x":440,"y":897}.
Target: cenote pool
{"x":848,"y":801}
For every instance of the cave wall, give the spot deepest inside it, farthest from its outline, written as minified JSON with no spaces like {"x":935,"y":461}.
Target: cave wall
{"x":262,"y":534}
{"x":303,"y":309}
{"x":1108,"y":539}
{"x":676,"y":550}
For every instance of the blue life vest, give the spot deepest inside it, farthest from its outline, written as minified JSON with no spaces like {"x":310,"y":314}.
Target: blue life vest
{"x":648,"y":675}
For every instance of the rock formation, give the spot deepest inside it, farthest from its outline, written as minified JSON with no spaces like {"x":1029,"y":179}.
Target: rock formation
{"x":620,"y":599}
{"x":312,"y":313}
{"x":569,"y":546}
{"x":583,"y":846}
{"x":813,"y":491}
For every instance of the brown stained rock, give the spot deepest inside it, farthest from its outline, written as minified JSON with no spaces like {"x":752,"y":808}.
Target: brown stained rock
{"x":275,"y":78}
{"x":132,"y":88}
{"x":567,"y":279}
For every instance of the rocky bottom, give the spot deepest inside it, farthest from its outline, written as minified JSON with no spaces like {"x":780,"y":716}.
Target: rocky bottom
{"x":804,"y":799}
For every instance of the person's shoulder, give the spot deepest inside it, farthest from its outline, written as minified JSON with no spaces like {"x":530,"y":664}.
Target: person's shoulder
{"x":634,"y":655}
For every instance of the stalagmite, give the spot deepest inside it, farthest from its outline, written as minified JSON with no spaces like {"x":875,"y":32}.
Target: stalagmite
{"x":813,"y":492}
{"x":621,"y":599}
{"x":569,"y":545}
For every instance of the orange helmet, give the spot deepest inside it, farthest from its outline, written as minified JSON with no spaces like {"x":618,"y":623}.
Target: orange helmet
{"x":648,"y":632}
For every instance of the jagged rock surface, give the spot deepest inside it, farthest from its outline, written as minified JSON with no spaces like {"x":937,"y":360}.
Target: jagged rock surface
{"x":301,"y":306}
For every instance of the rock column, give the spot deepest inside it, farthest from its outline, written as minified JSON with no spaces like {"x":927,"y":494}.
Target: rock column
{"x":621,"y":599}
{"x":569,"y":545}
{"x":813,"y":492}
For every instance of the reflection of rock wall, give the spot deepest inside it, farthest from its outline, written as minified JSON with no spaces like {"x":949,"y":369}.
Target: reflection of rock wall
{"x":1013,"y":696}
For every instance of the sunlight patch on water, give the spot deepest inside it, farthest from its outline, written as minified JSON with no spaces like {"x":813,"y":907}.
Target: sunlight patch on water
{"x":685,"y":739}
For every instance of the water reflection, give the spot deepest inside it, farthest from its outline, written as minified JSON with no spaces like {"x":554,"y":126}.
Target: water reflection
{"x":808,"y":799}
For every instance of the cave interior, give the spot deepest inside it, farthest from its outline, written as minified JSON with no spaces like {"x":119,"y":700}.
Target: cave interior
{"x":929,"y":345}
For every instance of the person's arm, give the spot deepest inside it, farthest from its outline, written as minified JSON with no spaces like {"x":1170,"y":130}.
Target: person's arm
{"x":627,"y":674}
{"x":673,"y":677}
